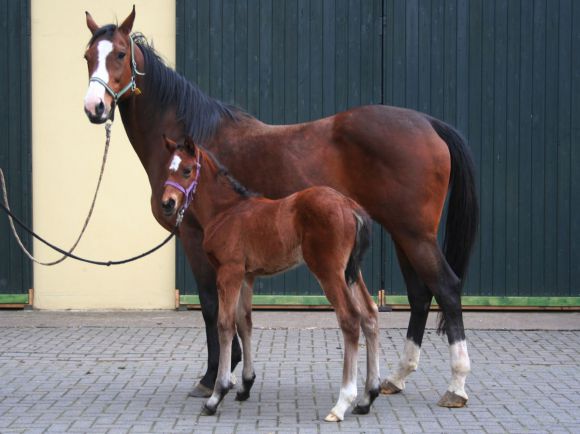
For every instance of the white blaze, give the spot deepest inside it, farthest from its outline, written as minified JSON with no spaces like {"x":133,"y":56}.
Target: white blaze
{"x":174,"y":166}
{"x":96,"y":91}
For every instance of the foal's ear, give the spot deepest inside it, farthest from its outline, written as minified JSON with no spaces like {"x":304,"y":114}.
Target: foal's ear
{"x":189,"y":145}
{"x":91,"y":23}
{"x":127,"y":25}
{"x":169,"y":144}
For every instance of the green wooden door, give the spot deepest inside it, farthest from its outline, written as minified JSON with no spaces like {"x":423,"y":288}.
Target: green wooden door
{"x":15,"y":144}
{"x":506,"y":73}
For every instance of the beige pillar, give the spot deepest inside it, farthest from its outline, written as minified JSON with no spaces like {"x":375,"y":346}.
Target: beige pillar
{"x":67,"y":152}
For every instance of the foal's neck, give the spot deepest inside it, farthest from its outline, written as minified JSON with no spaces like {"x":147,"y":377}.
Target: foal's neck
{"x":215,"y":191}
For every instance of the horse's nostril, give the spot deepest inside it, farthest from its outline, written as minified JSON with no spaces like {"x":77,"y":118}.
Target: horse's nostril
{"x":168,"y":205}
{"x":100,"y":108}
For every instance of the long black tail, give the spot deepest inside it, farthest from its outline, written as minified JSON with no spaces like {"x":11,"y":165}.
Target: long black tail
{"x":361,"y":245}
{"x":463,"y":208}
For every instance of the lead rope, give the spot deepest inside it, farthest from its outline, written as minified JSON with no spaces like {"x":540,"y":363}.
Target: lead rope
{"x":69,"y":252}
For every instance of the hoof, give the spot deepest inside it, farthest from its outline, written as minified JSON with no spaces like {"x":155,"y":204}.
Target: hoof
{"x":207,"y":411}
{"x":361,"y":409}
{"x":200,"y":391}
{"x":332,"y":418}
{"x":452,"y":400}
{"x":388,"y":388}
{"x":242,"y":395}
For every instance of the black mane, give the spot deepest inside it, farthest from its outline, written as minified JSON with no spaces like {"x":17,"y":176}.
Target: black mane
{"x":234,"y":183}
{"x":200,"y":113}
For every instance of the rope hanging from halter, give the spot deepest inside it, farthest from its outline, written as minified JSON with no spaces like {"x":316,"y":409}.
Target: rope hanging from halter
{"x":69,"y":254}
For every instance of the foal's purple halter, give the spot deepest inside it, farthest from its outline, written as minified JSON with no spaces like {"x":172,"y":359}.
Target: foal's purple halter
{"x":187,"y":192}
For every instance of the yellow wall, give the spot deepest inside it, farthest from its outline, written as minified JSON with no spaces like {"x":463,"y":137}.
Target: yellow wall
{"x":67,"y":152}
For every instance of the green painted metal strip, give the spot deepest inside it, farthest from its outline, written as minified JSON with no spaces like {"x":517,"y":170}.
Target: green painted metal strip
{"x":319,"y":300}
{"x":13,"y":299}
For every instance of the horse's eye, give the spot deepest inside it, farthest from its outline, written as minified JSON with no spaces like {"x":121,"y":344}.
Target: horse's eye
{"x":121,"y":55}
{"x":186,"y":173}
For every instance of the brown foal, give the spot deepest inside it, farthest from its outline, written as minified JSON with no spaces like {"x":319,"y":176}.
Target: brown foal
{"x":246,"y":236}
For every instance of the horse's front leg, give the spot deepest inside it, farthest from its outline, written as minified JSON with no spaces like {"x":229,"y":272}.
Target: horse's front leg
{"x":244,"y":323}
{"x":191,"y":238}
{"x":229,"y":280}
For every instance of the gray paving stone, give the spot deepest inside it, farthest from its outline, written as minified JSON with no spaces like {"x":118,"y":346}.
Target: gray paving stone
{"x":136,"y":379}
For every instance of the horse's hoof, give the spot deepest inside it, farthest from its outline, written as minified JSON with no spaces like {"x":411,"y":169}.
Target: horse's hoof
{"x":242,"y":395}
{"x":200,"y":391}
{"x":361,"y":409}
{"x":332,"y":418}
{"x":452,"y":400}
{"x":388,"y":388}
{"x":207,"y":411}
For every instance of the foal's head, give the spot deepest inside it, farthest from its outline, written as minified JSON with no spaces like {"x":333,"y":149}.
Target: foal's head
{"x":112,"y":71}
{"x":183,"y":176}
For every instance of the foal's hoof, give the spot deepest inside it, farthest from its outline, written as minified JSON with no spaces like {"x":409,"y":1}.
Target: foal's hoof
{"x":207,"y":411}
{"x":388,"y":388}
{"x":361,"y":409}
{"x":452,"y":400}
{"x":242,"y":395}
{"x":332,"y":418}
{"x":200,"y":391}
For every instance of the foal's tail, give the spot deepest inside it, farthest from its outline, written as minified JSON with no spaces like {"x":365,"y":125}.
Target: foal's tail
{"x":463,"y":208}
{"x":361,"y":245}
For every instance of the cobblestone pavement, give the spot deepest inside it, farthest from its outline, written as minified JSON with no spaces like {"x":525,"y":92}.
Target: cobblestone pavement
{"x":136,"y":379}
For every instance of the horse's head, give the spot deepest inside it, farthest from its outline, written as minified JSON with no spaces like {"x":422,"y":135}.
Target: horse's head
{"x":181,"y":182}
{"x":112,"y":69}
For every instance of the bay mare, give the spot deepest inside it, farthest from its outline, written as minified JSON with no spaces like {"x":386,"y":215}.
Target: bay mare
{"x":400,"y":165}
{"x":247,"y":236}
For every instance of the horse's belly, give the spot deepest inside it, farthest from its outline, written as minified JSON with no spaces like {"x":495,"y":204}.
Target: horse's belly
{"x":271,"y":264}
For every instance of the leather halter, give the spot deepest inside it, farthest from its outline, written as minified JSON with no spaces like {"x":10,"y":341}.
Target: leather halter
{"x":132,"y":85}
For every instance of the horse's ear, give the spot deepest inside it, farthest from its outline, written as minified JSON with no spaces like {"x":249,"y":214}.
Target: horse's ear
{"x":91,"y":23}
{"x":169,"y":144}
{"x":127,"y":25}
{"x":189,"y":144}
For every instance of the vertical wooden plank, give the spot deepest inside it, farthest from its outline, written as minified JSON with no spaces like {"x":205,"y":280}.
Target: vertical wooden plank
{"x":513,"y":143}
{"x":564,"y":147}
{"x":412,"y":54}
{"x":387,"y":24}
{"x":450,"y":62}
{"x":202,"y":50}
{"x":462,"y":101}
{"x":266,"y":61}
{"x":291,"y":63}
{"x":341,"y":55}
{"x":499,"y":150}
{"x":399,"y":77}
{"x":474,"y":125}
{"x":228,"y":52}
{"x":538,"y":147}
{"x":424,"y":49}
{"x":575,"y":154}
{"x":215,"y":44}
{"x":525,"y":156}
{"x":366,"y":59}
{"x":550,"y":233}
{"x":354,"y":53}
{"x":329,"y":59}
{"x":241,"y":43}
{"x":316,"y":60}
{"x":253,"y":59}
{"x":278,"y":61}
{"x":303,"y":62}
{"x":377,"y":51}
{"x":437,"y":58}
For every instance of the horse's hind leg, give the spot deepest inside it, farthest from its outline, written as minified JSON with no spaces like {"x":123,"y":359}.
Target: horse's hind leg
{"x":244,"y":322}
{"x":428,"y":261}
{"x":338,"y":293}
{"x":420,"y":301}
{"x":229,"y":279}
{"x":205,"y":277}
{"x":370,"y":327}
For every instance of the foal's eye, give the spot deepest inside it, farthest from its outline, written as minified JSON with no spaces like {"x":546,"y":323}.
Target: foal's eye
{"x":186,"y":173}
{"x":121,"y":55}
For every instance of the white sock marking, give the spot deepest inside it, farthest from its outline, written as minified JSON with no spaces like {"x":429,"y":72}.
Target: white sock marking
{"x":460,"y":367}
{"x":408,"y":363}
